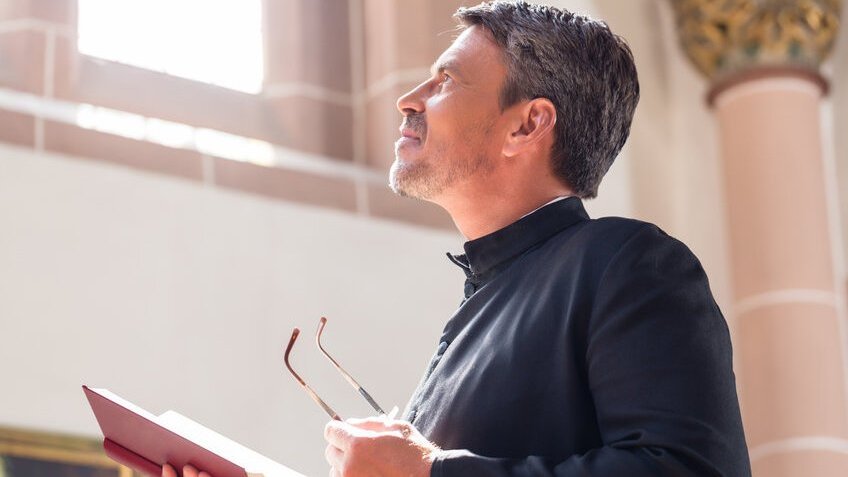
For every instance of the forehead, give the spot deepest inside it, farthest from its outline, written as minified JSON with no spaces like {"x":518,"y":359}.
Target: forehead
{"x":475,"y":55}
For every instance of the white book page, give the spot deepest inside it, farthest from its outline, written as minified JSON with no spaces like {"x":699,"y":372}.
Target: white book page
{"x":123,"y":403}
{"x":251,"y":461}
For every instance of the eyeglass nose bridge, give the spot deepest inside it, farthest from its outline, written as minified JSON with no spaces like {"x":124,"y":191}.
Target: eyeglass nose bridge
{"x":321,"y":324}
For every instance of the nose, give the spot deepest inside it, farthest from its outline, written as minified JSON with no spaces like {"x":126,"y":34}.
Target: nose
{"x":412,"y":102}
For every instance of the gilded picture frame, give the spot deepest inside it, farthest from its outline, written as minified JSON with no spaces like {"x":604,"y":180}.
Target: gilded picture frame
{"x":28,"y":453}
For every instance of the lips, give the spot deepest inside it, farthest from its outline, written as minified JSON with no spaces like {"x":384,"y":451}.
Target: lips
{"x":408,"y":140}
{"x":409,"y":133}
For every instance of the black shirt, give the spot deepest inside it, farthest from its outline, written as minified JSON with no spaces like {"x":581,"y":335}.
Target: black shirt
{"x":582,"y":347}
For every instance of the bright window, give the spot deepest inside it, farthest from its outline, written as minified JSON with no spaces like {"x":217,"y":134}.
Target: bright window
{"x":213,"y":41}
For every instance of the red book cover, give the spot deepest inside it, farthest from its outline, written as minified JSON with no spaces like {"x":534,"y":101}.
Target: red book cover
{"x":121,"y":455}
{"x":145,"y":442}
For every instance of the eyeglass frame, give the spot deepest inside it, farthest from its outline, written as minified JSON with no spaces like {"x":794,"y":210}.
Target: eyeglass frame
{"x":311,"y":392}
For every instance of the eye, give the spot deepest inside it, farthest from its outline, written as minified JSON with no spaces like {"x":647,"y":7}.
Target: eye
{"x":442,"y":79}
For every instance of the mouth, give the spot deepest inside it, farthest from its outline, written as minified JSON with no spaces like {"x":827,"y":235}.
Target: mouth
{"x":407,"y":133}
{"x":408,"y":140}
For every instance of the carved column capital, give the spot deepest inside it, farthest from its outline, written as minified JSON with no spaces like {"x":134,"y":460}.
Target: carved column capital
{"x":728,"y":38}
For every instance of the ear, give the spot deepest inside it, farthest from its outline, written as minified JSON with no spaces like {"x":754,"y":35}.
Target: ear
{"x":534,"y":121}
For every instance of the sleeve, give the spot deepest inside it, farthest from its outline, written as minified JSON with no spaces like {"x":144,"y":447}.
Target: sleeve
{"x":659,"y":368}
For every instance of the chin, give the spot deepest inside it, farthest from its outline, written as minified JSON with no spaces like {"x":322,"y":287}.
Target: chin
{"x":396,"y":177}
{"x":403,"y":181}
{"x":393,"y":177}
{"x":406,"y":157}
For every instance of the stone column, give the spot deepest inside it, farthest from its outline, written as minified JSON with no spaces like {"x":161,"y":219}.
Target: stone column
{"x":37,"y":55}
{"x":762,"y":59}
{"x":308,"y":75}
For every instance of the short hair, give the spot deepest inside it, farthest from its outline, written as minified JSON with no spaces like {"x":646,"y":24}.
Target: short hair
{"x":577,"y":63}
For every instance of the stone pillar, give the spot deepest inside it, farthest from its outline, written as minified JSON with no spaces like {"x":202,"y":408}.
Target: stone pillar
{"x":762,"y":59}
{"x":308,"y":75}
{"x":37,"y":55}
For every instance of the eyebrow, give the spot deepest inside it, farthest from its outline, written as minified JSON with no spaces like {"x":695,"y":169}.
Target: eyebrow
{"x":438,"y":68}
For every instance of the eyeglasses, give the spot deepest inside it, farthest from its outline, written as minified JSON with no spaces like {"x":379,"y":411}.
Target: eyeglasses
{"x":348,"y":377}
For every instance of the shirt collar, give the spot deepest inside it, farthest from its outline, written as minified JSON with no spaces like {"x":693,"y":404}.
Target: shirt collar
{"x":488,"y":253}
{"x":562,"y":197}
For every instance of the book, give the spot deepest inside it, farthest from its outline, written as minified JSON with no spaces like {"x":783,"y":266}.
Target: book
{"x":145,"y":442}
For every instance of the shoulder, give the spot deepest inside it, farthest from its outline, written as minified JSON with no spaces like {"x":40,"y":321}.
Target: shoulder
{"x":620,"y":249}
{"x":619,"y":236}
{"x":615,"y":228}
{"x":634,"y":251}
{"x":622,"y":229}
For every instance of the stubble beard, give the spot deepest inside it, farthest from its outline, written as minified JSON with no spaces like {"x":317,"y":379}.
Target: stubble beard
{"x":426,"y":178}
{"x":429,"y":176}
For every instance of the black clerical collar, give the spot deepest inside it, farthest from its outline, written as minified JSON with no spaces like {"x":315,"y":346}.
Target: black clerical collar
{"x":489,"y":253}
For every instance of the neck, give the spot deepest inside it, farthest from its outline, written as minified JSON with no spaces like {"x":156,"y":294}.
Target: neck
{"x":485,"y":211}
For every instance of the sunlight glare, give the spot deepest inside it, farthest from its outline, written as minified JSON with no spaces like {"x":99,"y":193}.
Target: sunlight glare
{"x":212,"y":41}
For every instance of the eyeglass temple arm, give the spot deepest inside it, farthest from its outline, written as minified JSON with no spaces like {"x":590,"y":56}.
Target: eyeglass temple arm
{"x":347,"y":376}
{"x":305,"y":386}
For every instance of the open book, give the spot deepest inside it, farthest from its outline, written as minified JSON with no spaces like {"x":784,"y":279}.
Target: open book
{"x":145,"y":442}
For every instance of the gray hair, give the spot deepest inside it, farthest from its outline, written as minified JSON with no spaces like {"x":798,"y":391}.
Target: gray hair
{"x":577,"y":63}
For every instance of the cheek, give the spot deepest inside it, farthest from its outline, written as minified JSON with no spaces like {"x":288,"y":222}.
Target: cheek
{"x":451,"y":120}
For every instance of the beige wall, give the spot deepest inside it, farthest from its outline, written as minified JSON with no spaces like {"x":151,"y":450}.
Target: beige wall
{"x":180,"y":296}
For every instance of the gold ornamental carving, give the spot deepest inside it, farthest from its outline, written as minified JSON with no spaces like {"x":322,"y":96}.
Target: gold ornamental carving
{"x":723,"y":37}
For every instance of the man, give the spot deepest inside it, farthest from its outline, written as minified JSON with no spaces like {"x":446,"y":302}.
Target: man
{"x":583,"y":347}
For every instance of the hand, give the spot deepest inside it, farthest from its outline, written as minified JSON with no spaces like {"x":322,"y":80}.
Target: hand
{"x":377,"y":446}
{"x":188,"y":471}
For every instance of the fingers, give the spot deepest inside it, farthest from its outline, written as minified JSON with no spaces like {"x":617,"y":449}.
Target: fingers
{"x":377,"y":424}
{"x":376,"y":446}
{"x":380,"y":424}
{"x":384,"y":426}
{"x":404,"y":428}
{"x":339,"y":434}
{"x":189,"y":471}
{"x":334,"y":457}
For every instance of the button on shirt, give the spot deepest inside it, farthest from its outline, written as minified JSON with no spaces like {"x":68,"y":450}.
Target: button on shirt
{"x":582,"y":348}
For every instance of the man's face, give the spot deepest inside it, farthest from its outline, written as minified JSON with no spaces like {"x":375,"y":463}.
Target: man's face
{"x":450,"y":133}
